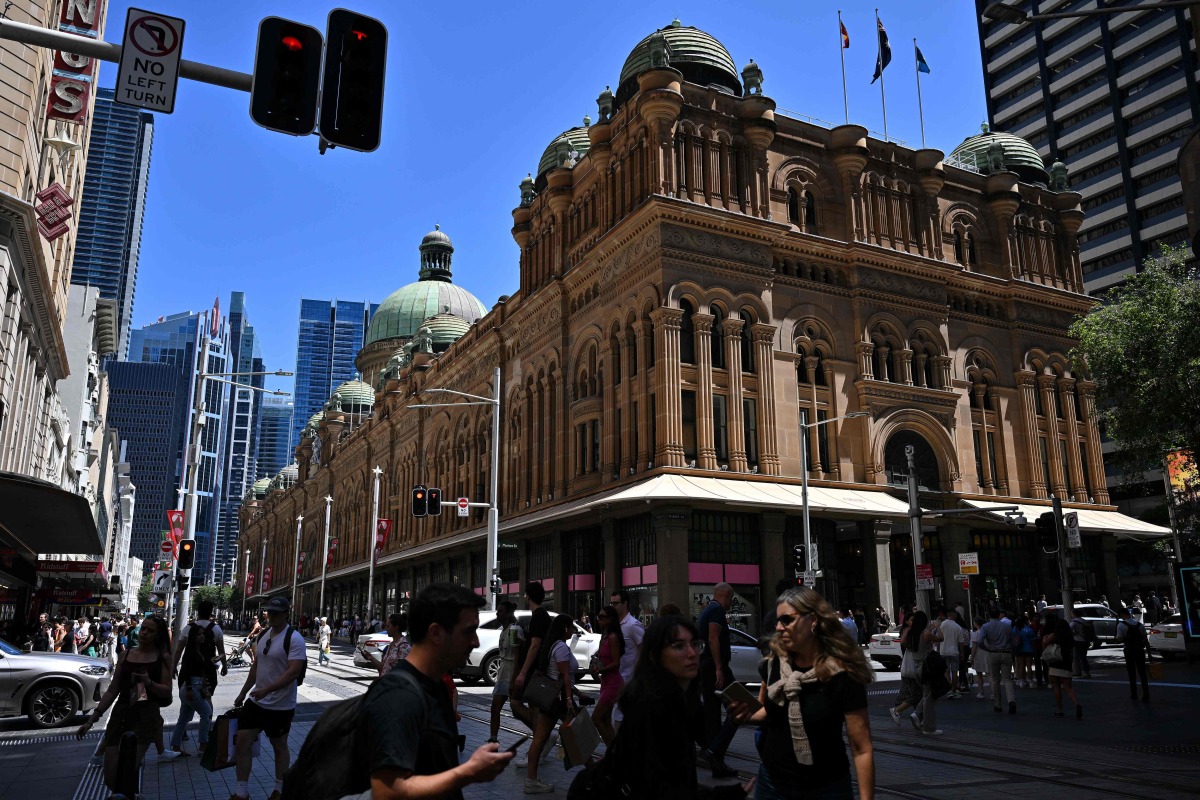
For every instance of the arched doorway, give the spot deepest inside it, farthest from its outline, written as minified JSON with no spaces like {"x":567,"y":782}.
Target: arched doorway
{"x":895,"y":462}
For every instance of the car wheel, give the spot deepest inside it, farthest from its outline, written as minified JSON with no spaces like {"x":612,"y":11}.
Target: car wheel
{"x":52,"y":705}
{"x":491,"y":669}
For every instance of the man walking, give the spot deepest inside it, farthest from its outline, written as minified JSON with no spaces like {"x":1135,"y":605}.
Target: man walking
{"x":1041,"y":605}
{"x":1132,"y":635}
{"x":43,"y":636}
{"x":539,"y":629}
{"x":1079,"y":632}
{"x":996,"y":637}
{"x":716,"y":674}
{"x":409,"y":733}
{"x":951,"y":649}
{"x":200,"y":644}
{"x":268,"y":698}
{"x":633,"y":631}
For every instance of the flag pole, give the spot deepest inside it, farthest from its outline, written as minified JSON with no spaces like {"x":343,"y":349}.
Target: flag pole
{"x":842,"y":53}
{"x":920,"y":110}
{"x":882,"y":94}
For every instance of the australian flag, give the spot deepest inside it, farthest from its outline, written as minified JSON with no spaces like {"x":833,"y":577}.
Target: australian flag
{"x":885,"y":52}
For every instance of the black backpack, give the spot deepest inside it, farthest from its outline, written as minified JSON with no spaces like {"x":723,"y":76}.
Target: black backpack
{"x":199,"y":652}
{"x":287,"y":648}
{"x":1135,"y":635}
{"x":933,"y":674}
{"x":332,"y":762}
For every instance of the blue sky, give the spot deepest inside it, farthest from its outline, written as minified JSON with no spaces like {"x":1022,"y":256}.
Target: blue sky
{"x":475,"y":92}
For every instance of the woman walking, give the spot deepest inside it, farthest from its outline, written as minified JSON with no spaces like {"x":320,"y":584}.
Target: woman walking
{"x":560,"y":669}
{"x":140,"y":687}
{"x":323,"y":634}
{"x":606,"y":666}
{"x":979,"y":661}
{"x":1057,"y":633}
{"x":398,"y":648}
{"x":1023,"y":656}
{"x":814,"y":681}
{"x":918,"y":641}
{"x":511,"y":638}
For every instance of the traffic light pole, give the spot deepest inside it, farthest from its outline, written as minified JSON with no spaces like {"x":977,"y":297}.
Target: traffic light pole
{"x":914,"y":526}
{"x":374,"y":538}
{"x":325,"y":555}
{"x":1064,"y":575}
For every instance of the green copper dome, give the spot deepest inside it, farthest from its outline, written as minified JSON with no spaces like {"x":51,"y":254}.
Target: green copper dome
{"x":700,"y":57}
{"x":354,"y":396}
{"x":1019,"y":155}
{"x":401,"y":314}
{"x":575,"y":139}
{"x":446,"y":328}
{"x":286,"y":478}
{"x":260,"y":487}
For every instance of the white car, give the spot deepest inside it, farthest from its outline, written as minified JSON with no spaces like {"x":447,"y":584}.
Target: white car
{"x":884,"y":648}
{"x":1166,"y":637}
{"x":745,"y":656}
{"x":374,"y":643}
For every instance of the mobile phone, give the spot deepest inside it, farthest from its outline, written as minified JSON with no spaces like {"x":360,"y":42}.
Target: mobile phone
{"x":515,"y":746}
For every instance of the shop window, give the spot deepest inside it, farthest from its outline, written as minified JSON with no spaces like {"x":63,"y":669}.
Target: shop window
{"x":637,"y":540}
{"x":723,"y":538}
{"x":539,"y":558}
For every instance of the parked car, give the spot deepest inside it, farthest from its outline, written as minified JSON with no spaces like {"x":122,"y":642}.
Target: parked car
{"x":375,"y":643}
{"x":49,"y":688}
{"x":884,"y":648}
{"x":745,"y":654}
{"x":1100,"y":616}
{"x":1166,"y":637}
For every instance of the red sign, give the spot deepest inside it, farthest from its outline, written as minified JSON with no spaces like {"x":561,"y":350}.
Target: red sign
{"x":53,"y":211}
{"x":333,"y":543}
{"x":71,"y":81}
{"x":382,"y":530}
{"x":266,"y":581}
{"x":76,"y":567}
{"x":925,"y":571}
{"x":175,"y":520}
{"x":250,"y":584}
{"x":167,"y":547}
{"x":300,"y":565}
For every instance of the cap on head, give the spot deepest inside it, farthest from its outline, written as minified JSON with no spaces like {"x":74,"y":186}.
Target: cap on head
{"x":278,"y":604}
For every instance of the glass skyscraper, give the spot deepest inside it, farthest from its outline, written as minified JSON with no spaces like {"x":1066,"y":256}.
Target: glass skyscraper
{"x":274,"y":436}
{"x":330,"y":336}
{"x":113,"y":206}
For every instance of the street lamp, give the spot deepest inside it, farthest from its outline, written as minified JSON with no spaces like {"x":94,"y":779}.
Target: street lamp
{"x":814,"y":561}
{"x":296,"y":561}
{"x":325,"y":554}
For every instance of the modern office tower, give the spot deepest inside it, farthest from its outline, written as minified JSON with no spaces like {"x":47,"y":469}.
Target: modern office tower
{"x":114,"y":205}
{"x":148,"y":404}
{"x":173,"y":340}
{"x":330,"y":336}
{"x":1112,"y":97}
{"x":274,"y":436}
{"x":241,"y":434}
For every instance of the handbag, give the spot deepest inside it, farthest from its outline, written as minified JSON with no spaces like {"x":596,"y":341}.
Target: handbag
{"x":579,"y":738}
{"x":1052,"y":653}
{"x":908,"y":667}
{"x":541,"y":692}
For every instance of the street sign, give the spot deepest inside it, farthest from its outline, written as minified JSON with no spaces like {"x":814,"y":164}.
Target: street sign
{"x":810,"y":580}
{"x":149,"y":70}
{"x":162,"y":582}
{"x":968,"y":563}
{"x":462,"y":506}
{"x":962,"y":577}
{"x":1071,"y":523}
{"x":924,"y":576}
{"x":167,"y":547}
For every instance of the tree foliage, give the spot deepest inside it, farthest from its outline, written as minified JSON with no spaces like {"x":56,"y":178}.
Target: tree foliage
{"x":1142,"y":347}
{"x":219,"y":596}
{"x":143,"y":595}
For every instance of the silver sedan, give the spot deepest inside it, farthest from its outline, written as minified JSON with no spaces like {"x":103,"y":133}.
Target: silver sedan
{"x":49,"y":688}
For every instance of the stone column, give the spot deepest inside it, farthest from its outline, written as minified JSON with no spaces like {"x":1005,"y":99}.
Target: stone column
{"x":537,"y":445}
{"x":611,"y":562}
{"x":834,"y":452}
{"x":885,"y":370}
{"x":906,"y":359}
{"x":646,"y":449}
{"x":1027,"y":384}
{"x":562,"y":446}
{"x":706,"y":455}
{"x":877,"y":558}
{"x":629,"y":424}
{"x":986,"y":480}
{"x":1095,"y":455}
{"x":1073,"y":467}
{"x":671,"y":528}
{"x":668,"y":449}
{"x":941,"y":370}
{"x":811,"y":363}
{"x":776,"y":562}
{"x":608,"y":464}
{"x":866,"y":361}
{"x":919,"y":371}
{"x":1053,"y":453}
{"x":732,"y":330}
{"x":764,"y":337}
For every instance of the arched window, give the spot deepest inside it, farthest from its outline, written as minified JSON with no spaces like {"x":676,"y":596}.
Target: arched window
{"x":747,"y":346}
{"x":687,"y":334}
{"x":960,"y":254}
{"x":930,"y":383}
{"x":793,"y":206}
{"x":810,"y":212}
{"x":972,"y":259}
{"x":819,"y":372}
{"x":717,"y":338}
{"x":924,"y":460}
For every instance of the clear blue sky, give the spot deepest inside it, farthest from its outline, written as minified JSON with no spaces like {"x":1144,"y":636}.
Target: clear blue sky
{"x":475,"y":92}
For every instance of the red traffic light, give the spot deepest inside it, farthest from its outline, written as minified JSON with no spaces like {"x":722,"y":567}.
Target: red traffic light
{"x":292,"y":43}
{"x":358,"y":35}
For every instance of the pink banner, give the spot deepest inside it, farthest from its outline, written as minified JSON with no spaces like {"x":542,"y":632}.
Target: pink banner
{"x":705,"y":573}
{"x":581,"y":583}
{"x":742,"y":574}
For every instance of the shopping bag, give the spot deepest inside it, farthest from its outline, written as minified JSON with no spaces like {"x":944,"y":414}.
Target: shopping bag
{"x":579,"y":739}
{"x":222,"y":736}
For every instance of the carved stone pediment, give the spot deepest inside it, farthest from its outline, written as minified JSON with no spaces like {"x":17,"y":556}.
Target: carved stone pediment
{"x":716,"y":245}
{"x":903,"y":285}
{"x":1046,"y":317}
{"x":879,"y":397}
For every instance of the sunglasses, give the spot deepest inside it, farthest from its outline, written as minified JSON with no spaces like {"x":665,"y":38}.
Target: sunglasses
{"x":681,"y":647}
{"x":787,"y":619}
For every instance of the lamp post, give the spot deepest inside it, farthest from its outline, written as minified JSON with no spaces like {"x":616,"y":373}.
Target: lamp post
{"x":813,"y":559}
{"x":374,"y":537}
{"x":245,"y":583}
{"x":325,"y":554}
{"x":296,"y":561}
{"x":493,"y":531}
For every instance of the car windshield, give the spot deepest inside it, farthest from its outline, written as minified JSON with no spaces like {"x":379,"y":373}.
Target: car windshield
{"x":8,"y":649}
{"x":1174,"y":619}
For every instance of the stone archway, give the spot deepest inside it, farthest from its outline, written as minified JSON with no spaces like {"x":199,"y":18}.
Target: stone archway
{"x":895,"y":462}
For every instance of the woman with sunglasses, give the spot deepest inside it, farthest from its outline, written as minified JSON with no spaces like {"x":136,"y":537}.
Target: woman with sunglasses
{"x":814,"y":680}
{"x":606,"y":666}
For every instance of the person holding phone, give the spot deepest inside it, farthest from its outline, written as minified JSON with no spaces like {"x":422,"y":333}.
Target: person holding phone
{"x":814,"y":681}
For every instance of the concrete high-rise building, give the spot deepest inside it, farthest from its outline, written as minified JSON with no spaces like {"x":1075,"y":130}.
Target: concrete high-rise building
{"x":274,"y":436}
{"x":114,"y":206}
{"x":242,"y":426}
{"x":173,"y":341}
{"x":1114,"y":98}
{"x":330,"y":336}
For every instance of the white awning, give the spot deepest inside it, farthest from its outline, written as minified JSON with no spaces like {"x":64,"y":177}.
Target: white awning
{"x":766,"y":494}
{"x":1090,"y":519}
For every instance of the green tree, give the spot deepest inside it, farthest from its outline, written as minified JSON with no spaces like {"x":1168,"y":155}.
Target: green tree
{"x":143,"y":595}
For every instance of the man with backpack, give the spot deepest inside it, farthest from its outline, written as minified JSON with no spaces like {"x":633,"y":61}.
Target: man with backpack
{"x":196,"y":655}
{"x":268,"y":698}
{"x":528,"y":655}
{"x":1132,"y":635}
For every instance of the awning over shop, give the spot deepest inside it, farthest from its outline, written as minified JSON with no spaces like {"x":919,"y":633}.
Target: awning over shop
{"x":45,"y":518}
{"x":1090,"y":519}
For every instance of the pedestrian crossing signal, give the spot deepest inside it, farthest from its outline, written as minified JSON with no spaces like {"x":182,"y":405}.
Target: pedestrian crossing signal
{"x":435,"y":501}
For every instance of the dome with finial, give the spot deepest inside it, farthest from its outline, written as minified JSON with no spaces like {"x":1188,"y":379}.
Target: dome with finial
{"x":310,"y":428}
{"x":699,"y":56}
{"x":446,"y":328}
{"x":574,"y":140}
{"x":403,"y":311}
{"x":286,"y":478}
{"x":354,"y":397}
{"x":260,"y":488}
{"x":1017,"y":155}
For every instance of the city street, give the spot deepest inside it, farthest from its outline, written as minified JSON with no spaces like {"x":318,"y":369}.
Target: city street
{"x":1121,"y":749}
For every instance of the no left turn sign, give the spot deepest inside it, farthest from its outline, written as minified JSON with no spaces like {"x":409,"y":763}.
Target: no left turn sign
{"x":150,"y":53}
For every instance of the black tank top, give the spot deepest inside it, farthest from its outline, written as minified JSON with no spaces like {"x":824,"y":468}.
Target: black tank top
{"x":128,"y":668}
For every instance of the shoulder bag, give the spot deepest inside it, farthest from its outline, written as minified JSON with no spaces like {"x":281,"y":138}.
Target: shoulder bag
{"x":541,"y":692}
{"x":1052,"y":654}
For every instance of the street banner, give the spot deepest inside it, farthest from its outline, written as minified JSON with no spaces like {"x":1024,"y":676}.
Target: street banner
{"x":175,"y":520}
{"x":266,"y":581}
{"x":300,"y":564}
{"x":333,"y":543}
{"x":382,"y":531}
{"x":250,"y":584}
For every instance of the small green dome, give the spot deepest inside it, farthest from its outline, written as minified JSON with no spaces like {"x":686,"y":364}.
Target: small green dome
{"x":575,"y":139}
{"x":700,"y":57}
{"x":286,"y":478}
{"x":446,"y":328}
{"x":260,"y":487}
{"x":355,"y":396}
{"x":1019,"y":155}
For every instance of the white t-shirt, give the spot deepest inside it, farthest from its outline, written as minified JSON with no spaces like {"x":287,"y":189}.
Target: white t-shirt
{"x":218,"y":634}
{"x":325,"y":632}
{"x":952,"y":634}
{"x":272,"y":662}
{"x":561,"y":651}
{"x":633,"y":631}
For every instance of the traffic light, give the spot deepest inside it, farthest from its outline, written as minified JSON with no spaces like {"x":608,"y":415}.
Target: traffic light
{"x":495,"y":586}
{"x":798,"y":558}
{"x":287,"y":76}
{"x":187,"y":554}
{"x":420,"y":501}
{"x":1047,"y":533}
{"x":352,"y":87}
{"x":435,"y":502}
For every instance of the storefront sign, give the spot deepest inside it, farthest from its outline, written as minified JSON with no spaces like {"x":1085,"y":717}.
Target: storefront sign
{"x":968,"y":563}
{"x":48,"y":568}
{"x":53,"y":211}
{"x":73,"y":76}
{"x":74,"y":597}
{"x":7,"y":556}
